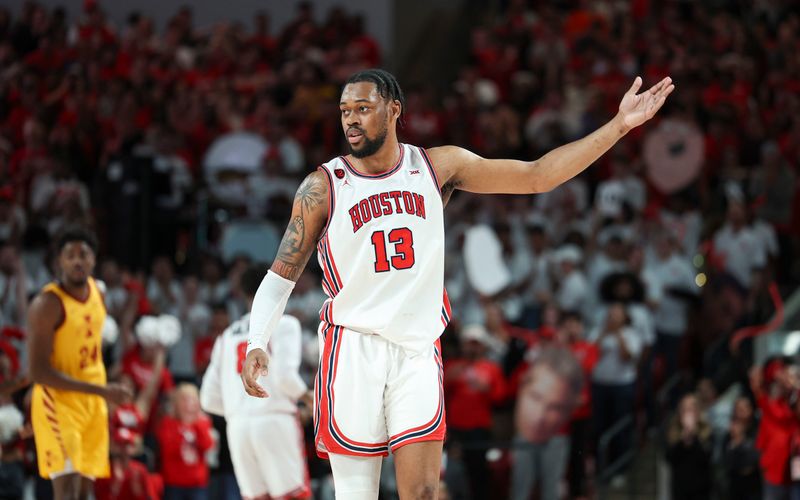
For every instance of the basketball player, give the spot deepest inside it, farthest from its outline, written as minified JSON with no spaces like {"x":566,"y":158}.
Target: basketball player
{"x":375,"y":218}
{"x":68,"y":409}
{"x":274,"y":466}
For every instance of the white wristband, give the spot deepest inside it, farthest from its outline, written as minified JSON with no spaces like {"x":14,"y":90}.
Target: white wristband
{"x":268,"y":306}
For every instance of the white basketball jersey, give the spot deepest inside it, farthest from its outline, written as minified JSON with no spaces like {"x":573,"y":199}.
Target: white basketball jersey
{"x":382,"y":252}
{"x":222,"y":392}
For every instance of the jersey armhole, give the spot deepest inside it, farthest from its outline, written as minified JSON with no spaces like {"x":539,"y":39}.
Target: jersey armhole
{"x":100,"y":294}
{"x":63,"y":310}
{"x":429,"y":163}
{"x":331,"y":202}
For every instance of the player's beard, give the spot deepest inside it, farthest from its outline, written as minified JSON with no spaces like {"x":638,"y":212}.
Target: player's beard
{"x":371,"y":146}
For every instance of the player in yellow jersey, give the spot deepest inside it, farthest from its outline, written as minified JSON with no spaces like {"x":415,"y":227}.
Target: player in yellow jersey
{"x":68,"y":410}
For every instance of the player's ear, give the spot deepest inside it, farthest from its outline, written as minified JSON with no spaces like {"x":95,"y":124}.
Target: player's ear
{"x":396,"y":108}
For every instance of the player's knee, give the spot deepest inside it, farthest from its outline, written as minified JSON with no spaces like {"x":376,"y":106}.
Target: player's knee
{"x":66,"y":488}
{"x":424,"y":491}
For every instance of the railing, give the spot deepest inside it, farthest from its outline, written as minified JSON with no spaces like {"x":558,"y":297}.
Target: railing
{"x":663,"y":396}
{"x":606,"y":470}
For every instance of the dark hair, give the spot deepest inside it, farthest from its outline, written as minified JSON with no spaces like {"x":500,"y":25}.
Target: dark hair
{"x":219,"y":307}
{"x":251,"y":278}
{"x":570,"y":315}
{"x":536,"y":229}
{"x":77,"y":233}
{"x":385,"y":83}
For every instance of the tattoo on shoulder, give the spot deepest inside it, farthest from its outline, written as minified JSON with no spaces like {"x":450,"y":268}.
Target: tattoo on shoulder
{"x":311,"y":193}
{"x":292,"y":253}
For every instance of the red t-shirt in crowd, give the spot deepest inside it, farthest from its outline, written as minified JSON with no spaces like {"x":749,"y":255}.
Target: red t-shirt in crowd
{"x":140,"y":372}
{"x":131,"y":482}
{"x":587,"y":355}
{"x":127,"y":416}
{"x":774,"y":441}
{"x":183,"y":451}
{"x":469,"y":406}
{"x":202,"y":352}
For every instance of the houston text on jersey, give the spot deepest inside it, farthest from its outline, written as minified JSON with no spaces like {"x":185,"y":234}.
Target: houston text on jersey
{"x":386,"y":203}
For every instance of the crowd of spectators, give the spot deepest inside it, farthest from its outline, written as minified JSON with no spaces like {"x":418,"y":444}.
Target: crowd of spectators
{"x":643,"y":267}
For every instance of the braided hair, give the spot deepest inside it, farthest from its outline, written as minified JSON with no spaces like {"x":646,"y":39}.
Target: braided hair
{"x":385,"y":84}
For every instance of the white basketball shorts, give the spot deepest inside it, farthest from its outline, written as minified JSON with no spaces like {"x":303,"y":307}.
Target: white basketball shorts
{"x":371,"y":396}
{"x":269,"y":456}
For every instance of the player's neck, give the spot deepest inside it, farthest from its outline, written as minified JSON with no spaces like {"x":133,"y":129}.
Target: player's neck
{"x":78,"y":292}
{"x":384,"y":159}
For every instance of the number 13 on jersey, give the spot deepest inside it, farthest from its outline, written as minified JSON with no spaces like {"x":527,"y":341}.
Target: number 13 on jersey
{"x":403,"y":255}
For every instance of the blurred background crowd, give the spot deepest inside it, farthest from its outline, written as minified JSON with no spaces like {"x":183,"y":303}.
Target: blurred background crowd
{"x":182,"y":148}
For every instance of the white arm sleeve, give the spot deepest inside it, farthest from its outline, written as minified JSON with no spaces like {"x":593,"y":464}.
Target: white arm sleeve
{"x":211,"y":388}
{"x":268,"y":306}
{"x":287,"y":347}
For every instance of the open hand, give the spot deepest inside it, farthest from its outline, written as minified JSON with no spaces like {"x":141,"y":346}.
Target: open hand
{"x":255,"y":365}
{"x":116,"y":393}
{"x":635,"y":109}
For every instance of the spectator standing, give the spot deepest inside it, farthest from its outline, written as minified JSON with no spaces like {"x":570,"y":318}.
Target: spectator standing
{"x":670,"y":280}
{"x":205,"y":344}
{"x":472,"y":386}
{"x":571,"y":335}
{"x":741,"y":463}
{"x":772,"y":389}
{"x":689,"y":452}
{"x":613,"y":258}
{"x":549,"y":392}
{"x":170,"y":183}
{"x":195,"y":317}
{"x":214,"y":287}
{"x":140,"y":364}
{"x":12,"y":217}
{"x":163,"y":290}
{"x":614,"y":375}
{"x":573,"y":289}
{"x":184,"y":437}
{"x":738,"y":246}
{"x":13,"y":287}
{"x":116,"y":296}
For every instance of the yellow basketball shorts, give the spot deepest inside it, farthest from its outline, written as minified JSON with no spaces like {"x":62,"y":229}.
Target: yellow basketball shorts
{"x":71,"y":433}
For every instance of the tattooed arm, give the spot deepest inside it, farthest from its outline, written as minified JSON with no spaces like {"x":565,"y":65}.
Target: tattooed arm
{"x":309,"y":213}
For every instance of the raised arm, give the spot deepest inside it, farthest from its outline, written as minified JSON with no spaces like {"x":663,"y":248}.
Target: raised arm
{"x":458,"y":168}
{"x":146,"y":397}
{"x":309,"y":215}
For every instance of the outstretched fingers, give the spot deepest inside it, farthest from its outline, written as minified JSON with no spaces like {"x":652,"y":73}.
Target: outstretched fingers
{"x":637,"y":84}
{"x":662,"y":86}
